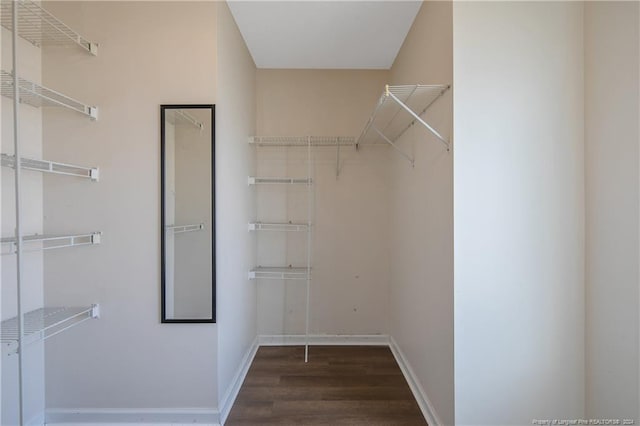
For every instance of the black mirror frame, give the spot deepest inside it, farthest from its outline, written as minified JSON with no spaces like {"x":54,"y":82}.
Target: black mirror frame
{"x":163,"y":108}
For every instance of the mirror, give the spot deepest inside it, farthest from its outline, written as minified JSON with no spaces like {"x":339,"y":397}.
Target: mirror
{"x":187,"y":213}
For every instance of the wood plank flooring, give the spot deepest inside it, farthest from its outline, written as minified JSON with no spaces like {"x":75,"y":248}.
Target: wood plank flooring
{"x":340,"y":385}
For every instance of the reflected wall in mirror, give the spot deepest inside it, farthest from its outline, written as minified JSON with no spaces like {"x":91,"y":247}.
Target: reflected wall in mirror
{"x":187,"y":213}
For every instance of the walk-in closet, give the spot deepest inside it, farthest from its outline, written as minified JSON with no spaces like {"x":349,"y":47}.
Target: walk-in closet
{"x":319,"y":212}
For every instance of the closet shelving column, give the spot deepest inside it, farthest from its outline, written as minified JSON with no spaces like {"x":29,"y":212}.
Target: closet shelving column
{"x":29,"y":21}
{"x":301,"y":273}
{"x":289,"y":272}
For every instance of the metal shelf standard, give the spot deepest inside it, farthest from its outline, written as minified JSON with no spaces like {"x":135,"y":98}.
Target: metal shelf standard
{"x":279,"y":273}
{"x":50,"y":242}
{"x":388,"y":124}
{"x":263,"y":226}
{"x":52,"y":167}
{"x":41,"y":28}
{"x":39,"y":96}
{"x":43,"y":323}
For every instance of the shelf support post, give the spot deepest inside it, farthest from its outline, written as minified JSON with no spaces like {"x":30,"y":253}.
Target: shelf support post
{"x":18,"y":201}
{"x":309,"y":204}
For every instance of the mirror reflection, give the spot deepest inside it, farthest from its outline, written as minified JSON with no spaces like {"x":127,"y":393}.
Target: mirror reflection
{"x":188,"y":232}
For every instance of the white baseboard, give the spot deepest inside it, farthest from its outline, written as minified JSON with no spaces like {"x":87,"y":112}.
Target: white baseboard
{"x":232,"y":392}
{"x":122,"y":417}
{"x":81,"y":423}
{"x":325,"y":339}
{"x":425,"y":405}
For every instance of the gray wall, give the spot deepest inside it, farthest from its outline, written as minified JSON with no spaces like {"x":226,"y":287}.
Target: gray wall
{"x":611,"y":145}
{"x":127,"y":360}
{"x":421,"y":205}
{"x":235,"y":121}
{"x":518,"y":211}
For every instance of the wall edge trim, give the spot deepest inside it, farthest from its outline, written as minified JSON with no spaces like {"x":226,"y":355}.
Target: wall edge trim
{"x":418,"y":391}
{"x":232,"y":391}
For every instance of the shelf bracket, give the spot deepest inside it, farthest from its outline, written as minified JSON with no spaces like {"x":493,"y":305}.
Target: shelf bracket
{"x":95,"y":311}
{"x":393,"y":145}
{"x":92,"y":112}
{"x":418,"y":118}
{"x":96,"y":238}
{"x":337,"y":158}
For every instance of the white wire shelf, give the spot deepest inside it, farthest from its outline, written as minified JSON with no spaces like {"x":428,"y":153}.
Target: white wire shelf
{"x":253,"y":180}
{"x":279,"y":273}
{"x":44,"y":323}
{"x":181,"y":229}
{"x":182,"y":116}
{"x":38,"y":96}
{"x":41,"y":28}
{"x":302,"y":141}
{"x":52,"y":167}
{"x":49,"y":242}
{"x":306,"y":141}
{"x":399,"y":108}
{"x":263,"y":226}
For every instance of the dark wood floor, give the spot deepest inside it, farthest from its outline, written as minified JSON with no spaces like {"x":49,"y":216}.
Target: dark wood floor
{"x":340,"y":385}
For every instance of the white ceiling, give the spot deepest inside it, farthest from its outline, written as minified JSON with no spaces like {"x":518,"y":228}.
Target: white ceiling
{"x":324,"y":34}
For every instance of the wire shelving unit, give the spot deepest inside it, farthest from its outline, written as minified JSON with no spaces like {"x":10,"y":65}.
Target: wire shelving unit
{"x":42,"y":324}
{"x":336,"y":142}
{"x":399,"y":108}
{"x":302,"y":141}
{"x":53,"y":167}
{"x":280,"y":273}
{"x":38,"y":242}
{"x":299,"y":272}
{"x":181,"y":229}
{"x":41,"y":28}
{"x":39,"y":96}
{"x":254,"y":180}
{"x":28,"y":20}
{"x":284,"y":226}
